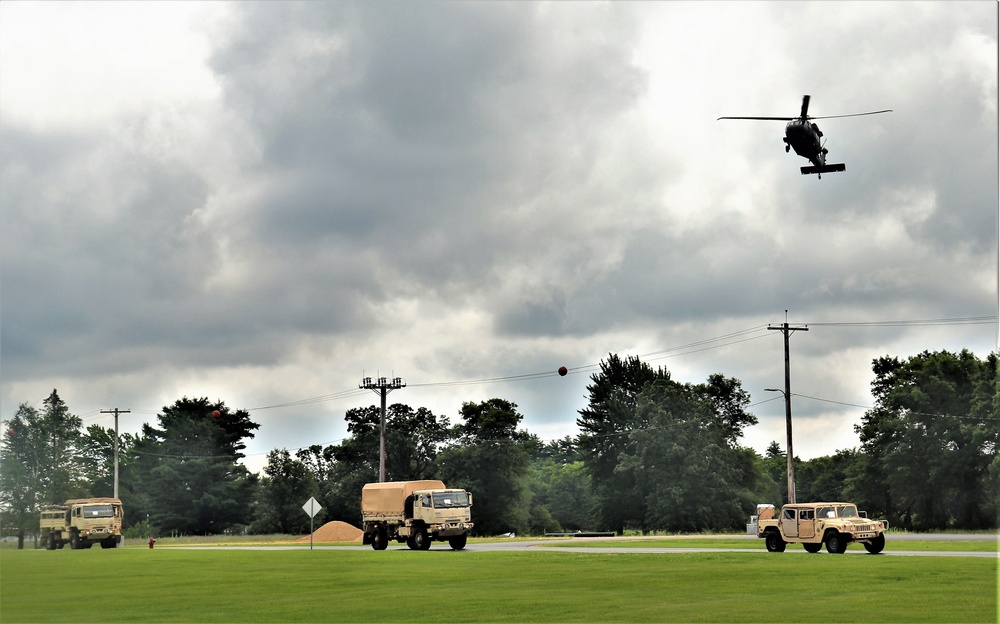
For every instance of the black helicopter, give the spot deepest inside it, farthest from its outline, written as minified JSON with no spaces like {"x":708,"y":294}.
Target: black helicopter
{"x":802,"y":135}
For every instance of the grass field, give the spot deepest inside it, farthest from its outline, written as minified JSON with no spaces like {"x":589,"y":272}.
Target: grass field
{"x":175,"y":585}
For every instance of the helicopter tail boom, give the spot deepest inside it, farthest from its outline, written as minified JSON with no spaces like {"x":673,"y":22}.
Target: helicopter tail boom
{"x":831,"y":168}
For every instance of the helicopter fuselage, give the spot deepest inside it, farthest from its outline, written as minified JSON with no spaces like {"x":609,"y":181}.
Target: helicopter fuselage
{"x":803,"y":136}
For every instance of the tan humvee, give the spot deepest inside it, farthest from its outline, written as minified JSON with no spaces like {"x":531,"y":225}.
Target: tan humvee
{"x":415,"y":512}
{"x":82,"y":522}
{"x":816,"y":524}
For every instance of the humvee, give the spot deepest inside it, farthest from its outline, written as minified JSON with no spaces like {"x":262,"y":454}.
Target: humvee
{"x":835,"y":525}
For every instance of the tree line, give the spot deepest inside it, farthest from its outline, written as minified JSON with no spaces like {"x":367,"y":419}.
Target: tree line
{"x":653,"y":454}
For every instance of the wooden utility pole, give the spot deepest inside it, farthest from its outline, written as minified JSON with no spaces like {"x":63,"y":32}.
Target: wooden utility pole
{"x":116,"y":411}
{"x":382,"y":386}
{"x":787,"y":329}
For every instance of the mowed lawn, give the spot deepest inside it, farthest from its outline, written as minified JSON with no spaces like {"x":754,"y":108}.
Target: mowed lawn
{"x":175,"y":585}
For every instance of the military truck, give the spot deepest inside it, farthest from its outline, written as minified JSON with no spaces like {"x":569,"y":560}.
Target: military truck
{"x":835,"y":525}
{"x":82,"y":522}
{"x":415,"y":512}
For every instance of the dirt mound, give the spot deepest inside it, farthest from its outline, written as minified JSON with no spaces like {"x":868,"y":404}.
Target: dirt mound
{"x":335,"y":531}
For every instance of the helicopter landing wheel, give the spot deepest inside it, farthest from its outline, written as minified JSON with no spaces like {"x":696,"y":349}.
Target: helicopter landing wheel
{"x":787,"y":148}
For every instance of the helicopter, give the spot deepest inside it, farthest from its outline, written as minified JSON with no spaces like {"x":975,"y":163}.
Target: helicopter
{"x":802,"y":135}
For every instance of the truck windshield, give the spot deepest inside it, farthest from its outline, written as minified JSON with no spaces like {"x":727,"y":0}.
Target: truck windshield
{"x":450,"y":499}
{"x":847,"y":511}
{"x":98,"y":511}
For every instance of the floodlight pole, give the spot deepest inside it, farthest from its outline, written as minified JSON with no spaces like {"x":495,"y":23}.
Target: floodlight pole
{"x":786,"y":329}
{"x":382,"y":386}
{"x":116,"y":411}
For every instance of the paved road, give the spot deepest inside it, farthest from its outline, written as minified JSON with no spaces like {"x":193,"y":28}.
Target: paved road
{"x":754,"y":545}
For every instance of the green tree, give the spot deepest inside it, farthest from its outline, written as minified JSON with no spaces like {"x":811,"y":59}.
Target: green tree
{"x":606,"y":425}
{"x":561,"y":486}
{"x":689,"y":475}
{"x":286,"y":485}
{"x":188,"y":468}
{"x":38,"y":463}
{"x":96,"y":456}
{"x":825,"y":478}
{"x":490,"y":458}
{"x":61,"y":431}
{"x":22,"y":465}
{"x":931,"y":439}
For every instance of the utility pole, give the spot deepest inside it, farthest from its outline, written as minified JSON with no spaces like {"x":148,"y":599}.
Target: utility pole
{"x":116,"y":411}
{"x":787,"y":329}
{"x":382,"y":386}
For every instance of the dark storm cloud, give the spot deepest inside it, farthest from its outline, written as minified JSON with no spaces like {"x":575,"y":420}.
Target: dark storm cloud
{"x":428,"y":138}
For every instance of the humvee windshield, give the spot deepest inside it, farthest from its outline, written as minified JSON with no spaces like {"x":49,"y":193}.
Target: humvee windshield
{"x":450,"y":499}
{"x":98,"y":511}
{"x":847,"y":511}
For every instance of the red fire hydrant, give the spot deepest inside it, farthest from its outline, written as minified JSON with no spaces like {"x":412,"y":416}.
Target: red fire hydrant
{"x":152,"y":541}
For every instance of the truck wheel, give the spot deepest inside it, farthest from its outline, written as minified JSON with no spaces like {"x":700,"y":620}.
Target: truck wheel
{"x":458,"y":542}
{"x":109,"y":542}
{"x":410,"y":543}
{"x":835,"y":543}
{"x":876,"y":545}
{"x":74,"y":541}
{"x":773,"y":542}
{"x":420,"y":540}
{"x":380,"y":541}
{"x":812,"y":548}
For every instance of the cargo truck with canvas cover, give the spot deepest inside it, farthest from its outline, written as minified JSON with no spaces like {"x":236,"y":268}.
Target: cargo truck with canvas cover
{"x":81,"y":523}
{"x":415,"y":512}
{"x":835,"y":525}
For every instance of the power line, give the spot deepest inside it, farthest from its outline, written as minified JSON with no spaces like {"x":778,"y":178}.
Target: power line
{"x":967,"y":320}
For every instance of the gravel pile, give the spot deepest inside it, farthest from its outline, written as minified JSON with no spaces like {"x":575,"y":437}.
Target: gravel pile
{"x":335,"y":531}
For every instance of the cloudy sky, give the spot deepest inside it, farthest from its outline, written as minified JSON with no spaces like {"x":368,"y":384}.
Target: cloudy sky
{"x":264,"y":202}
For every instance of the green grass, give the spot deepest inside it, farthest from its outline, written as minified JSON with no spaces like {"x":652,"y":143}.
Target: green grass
{"x":181,"y":585}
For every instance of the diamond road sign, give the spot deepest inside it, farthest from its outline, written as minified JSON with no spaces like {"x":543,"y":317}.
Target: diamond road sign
{"x":312,"y":507}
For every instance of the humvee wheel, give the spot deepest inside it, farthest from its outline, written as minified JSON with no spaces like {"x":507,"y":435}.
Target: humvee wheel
{"x":876,"y":545}
{"x":835,"y":543}
{"x":420,"y":540}
{"x":379,"y":540}
{"x":458,"y":542}
{"x":773,"y":542}
{"x":812,"y":548}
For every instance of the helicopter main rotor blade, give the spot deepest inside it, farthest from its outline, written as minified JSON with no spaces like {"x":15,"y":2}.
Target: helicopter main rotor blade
{"x":762,"y":118}
{"x":805,"y":107}
{"x":888,"y":110}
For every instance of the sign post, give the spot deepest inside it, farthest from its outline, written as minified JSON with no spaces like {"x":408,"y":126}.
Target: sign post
{"x":312,"y":508}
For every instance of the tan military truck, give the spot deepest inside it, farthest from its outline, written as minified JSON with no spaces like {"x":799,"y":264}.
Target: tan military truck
{"x":82,"y":522}
{"x":814,"y":525}
{"x":415,"y":512}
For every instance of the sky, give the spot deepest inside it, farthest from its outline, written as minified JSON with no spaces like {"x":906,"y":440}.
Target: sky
{"x":264,"y":202}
